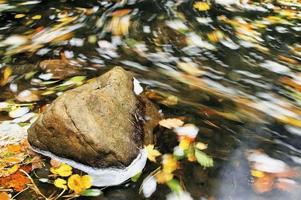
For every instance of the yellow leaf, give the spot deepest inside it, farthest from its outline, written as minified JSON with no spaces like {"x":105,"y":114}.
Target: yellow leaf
{"x":6,"y":74}
{"x":215,"y":36}
{"x":79,"y":183}
{"x":171,"y":123}
{"x":63,"y":170}
{"x":185,"y":143}
{"x":257,"y":173}
{"x":201,"y":146}
{"x":8,"y":171}
{"x":60,"y":183}
{"x":37,"y":17}
{"x":201,"y":6}
{"x":17,"y":16}
{"x":152,"y":153}
{"x":163,"y":177}
{"x":169,"y":163}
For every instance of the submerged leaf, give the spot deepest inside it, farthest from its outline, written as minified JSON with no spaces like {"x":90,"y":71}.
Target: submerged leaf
{"x":91,"y":193}
{"x":174,"y":185}
{"x":136,"y":177}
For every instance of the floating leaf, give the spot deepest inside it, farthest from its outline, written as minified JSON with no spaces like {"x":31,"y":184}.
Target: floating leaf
{"x":136,"y":177}
{"x":8,"y":170}
{"x":163,"y":177}
{"x":170,"y":164}
{"x":17,"y":181}
{"x":263,"y":184}
{"x":4,"y":196}
{"x":152,"y":153}
{"x":60,"y":183}
{"x":6,"y":74}
{"x":44,"y":180}
{"x":171,"y":123}
{"x":91,"y":193}
{"x":63,"y":170}
{"x":203,"y":159}
{"x":79,"y":183}
{"x":174,"y":185}
{"x":19,"y":112}
{"x":201,"y":146}
{"x":201,"y":6}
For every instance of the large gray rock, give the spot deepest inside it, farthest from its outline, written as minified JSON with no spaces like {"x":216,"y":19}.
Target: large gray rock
{"x":100,"y":124}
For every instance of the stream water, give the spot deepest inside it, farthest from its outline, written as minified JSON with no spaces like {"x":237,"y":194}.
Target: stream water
{"x":233,"y":70}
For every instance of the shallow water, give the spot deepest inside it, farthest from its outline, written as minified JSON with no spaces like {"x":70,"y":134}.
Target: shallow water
{"x":234,"y":71}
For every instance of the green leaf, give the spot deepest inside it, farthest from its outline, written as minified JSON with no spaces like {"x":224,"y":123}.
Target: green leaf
{"x":91,"y":193}
{"x":174,"y":185}
{"x":203,"y":159}
{"x":77,"y":79}
{"x":136,"y":177}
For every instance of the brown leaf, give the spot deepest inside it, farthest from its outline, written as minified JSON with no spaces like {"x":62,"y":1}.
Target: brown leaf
{"x":55,"y":163}
{"x":263,"y":184}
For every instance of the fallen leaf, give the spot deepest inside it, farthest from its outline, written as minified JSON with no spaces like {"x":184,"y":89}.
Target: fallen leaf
{"x":163,"y":177}
{"x":201,"y":6}
{"x":201,"y":146}
{"x":28,"y":96}
{"x":171,"y":123}
{"x":152,"y":153}
{"x":79,"y":183}
{"x":4,"y":196}
{"x":174,"y":185}
{"x":55,"y":163}
{"x":170,"y":164}
{"x":91,"y":193}
{"x":7,"y":72}
{"x":17,"y":181}
{"x":60,"y":183}
{"x":203,"y":159}
{"x":63,"y":170}
{"x":263,"y":184}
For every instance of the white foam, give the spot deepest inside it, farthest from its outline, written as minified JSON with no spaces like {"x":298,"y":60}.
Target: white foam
{"x":138,"y":89}
{"x":105,"y":176}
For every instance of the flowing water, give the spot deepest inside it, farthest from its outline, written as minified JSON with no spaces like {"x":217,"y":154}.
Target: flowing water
{"x":233,"y":70}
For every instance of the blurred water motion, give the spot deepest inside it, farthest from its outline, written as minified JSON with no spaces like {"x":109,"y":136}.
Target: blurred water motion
{"x":232,"y":66}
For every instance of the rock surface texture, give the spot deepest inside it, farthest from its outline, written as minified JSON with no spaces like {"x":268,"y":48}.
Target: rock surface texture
{"x":102,"y":123}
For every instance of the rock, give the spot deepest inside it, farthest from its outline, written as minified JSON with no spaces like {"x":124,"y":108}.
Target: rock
{"x":100,"y":124}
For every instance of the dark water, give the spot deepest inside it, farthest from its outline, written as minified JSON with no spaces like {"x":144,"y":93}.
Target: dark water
{"x":234,"y":71}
